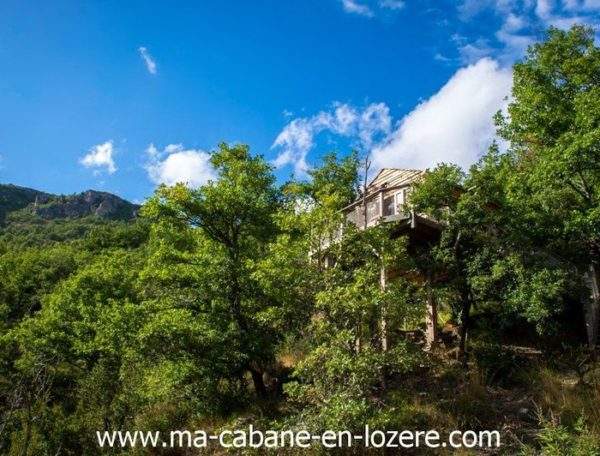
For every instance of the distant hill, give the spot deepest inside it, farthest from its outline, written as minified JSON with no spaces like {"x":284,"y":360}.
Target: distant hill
{"x":50,"y":207}
{"x":13,"y":198}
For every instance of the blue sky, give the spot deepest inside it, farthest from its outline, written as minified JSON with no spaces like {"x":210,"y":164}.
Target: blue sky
{"x":119,"y":96}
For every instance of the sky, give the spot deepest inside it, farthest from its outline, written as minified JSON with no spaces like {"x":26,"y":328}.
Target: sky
{"x":121,"y":96}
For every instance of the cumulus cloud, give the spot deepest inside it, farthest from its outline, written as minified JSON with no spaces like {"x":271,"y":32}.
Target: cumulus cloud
{"x":148,"y":60}
{"x":364,"y":126}
{"x":100,"y":157}
{"x":175,"y":164}
{"x":454,"y":125}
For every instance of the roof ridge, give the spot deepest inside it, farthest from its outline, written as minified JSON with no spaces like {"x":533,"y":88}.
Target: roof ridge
{"x":403,"y":169}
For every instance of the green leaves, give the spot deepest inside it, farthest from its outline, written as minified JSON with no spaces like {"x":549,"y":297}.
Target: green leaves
{"x":554,"y":130}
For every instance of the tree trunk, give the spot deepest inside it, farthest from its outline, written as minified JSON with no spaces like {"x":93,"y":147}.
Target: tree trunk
{"x":383,"y":326}
{"x":383,"y":329}
{"x":357,"y":339}
{"x":258,"y":382}
{"x":431,"y":335}
{"x":465,"y":318}
{"x":592,"y":306}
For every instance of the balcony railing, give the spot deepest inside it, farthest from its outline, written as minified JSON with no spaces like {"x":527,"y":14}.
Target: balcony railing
{"x":378,"y":210}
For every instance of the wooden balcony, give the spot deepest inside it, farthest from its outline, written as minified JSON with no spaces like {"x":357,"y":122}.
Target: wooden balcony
{"x":385,"y":202}
{"x":378,"y":212}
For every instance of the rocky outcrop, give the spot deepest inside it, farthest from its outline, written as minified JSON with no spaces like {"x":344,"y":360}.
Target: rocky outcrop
{"x":13,"y":198}
{"x":102,"y":204}
{"x":47,"y":206}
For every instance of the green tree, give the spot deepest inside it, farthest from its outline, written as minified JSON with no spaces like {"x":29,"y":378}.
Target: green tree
{"x":553,"y":128}
{"x":334,"y":183}
{"x":484,"y":255}
{"x":70,"y":355}
{"x":341,"y":380}
{"x":235,"y":216}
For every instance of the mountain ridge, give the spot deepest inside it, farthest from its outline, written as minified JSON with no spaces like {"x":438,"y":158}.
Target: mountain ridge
{"x":50,"y":206}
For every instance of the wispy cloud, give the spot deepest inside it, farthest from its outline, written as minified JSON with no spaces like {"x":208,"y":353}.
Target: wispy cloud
{"x":364,"y":126}
{"x":354,"y":7}
{"x":521,"y":23}
{"x":100,"y":157}
{"x":582,"y":5}
{"x":372,"y":8}
{"x":453,"y":125}
{"x":175,"y":164}
{"x":148,"y":60}
{"x":392,"y":4}
{"x":471,"y":51}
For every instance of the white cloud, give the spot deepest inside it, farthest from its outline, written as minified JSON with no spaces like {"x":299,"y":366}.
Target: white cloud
{"x":392,"y":4}
{"x":514,"y":23}
{"x":172,"y":148}
{"x":374,"y":121}
{"x":511,"y":36}
{"x":297,"y":138}
{"x":100,"y":156}
{"x":591,"y":4}
{"x":544,"y":8}
{"x":442,"y":58}
{"x":148,"y":60}
{"x":372,"y":8}
{"x":352,"y":6}
{"x":176,"y":164}
{"x":469,"y":8}
{"x":571,"y":4}
{"x":565,"y":23}
{"x":522,"y":22}
{"x":454,"y":125}
{"x":471,"y":52}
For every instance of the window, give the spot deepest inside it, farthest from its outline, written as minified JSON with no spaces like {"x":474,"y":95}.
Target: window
{"x":400,"y":198}
{"x":389,"y":205}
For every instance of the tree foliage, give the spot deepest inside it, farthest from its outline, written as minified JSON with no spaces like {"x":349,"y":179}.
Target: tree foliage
{"x":245,"y":299}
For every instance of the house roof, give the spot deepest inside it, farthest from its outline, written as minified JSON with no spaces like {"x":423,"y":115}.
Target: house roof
{"x":393,"y":177}
{"x":389,"y":178}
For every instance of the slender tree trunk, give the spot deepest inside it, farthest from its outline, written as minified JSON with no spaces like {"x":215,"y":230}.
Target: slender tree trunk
{"x":465,"y":318}
{"x":592,"y":305}
{"x":383,"y":325}
{"x":431,"y":334}
{"x":383,"y":328}
{"x":258,"y":382}
{"x":357,"y":340}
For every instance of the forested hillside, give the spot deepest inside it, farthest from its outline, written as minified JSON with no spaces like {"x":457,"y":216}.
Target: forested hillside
{"x":209,"y":307}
